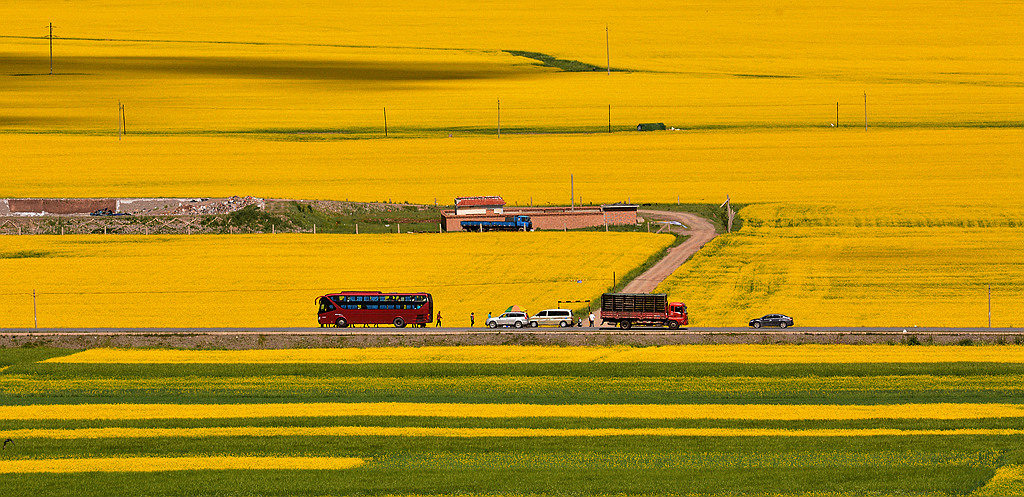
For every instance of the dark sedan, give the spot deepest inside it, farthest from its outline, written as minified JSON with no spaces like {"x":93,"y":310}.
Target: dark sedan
{"x":780,"y":320}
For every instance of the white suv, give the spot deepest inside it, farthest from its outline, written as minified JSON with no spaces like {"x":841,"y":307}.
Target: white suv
{"x":552,"y":317}
{"x":517,"y":319}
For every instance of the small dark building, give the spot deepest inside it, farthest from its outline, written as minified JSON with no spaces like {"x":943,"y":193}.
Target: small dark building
{"x":651,"y":127}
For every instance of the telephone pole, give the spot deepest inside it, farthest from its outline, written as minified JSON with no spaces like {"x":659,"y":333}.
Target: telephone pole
{"x":989,"y":305}
{"x":385,"y":122}
{"x":865,"y":111}
{"x":609,"y":118}
{"x":35,"y":316}
{"x":499,"y":118}
{"x":729,"y":213}
{"x":607,"y":49}
{"x":51,"y":49}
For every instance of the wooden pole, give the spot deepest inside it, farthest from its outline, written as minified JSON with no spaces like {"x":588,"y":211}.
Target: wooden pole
{"x":385,"y":122}
{"x":865,"y":111}
{"x":119,"y":120}
{"x":990,"y":305}
{"x":499,"y":118}
{"x":837,"y":114}
{"x":607,"y":50}
{"x":51,"y":49}
{"x":609,"y":118}
{"x":124,"y":123}
{"x":357,"y":228}
{"x":35,"y":315}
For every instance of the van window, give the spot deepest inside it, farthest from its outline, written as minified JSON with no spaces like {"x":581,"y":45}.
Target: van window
{"x":543,"y":314}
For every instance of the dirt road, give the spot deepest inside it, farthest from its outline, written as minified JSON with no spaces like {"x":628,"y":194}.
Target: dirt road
{"x":700,"y":231}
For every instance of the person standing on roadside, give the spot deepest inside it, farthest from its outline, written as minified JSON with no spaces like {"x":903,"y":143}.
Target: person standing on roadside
{"x":472,"y":319}
{"x":438,"y":319}
{"x":592,"y":318}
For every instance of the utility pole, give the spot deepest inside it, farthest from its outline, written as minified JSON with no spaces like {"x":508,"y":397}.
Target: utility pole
{"x":837,"y":114}
{"x":119,"y":121}
{"x":989,"y":305}
{"x":607,"y":50}
{"x":51,"y":49}
{"x":865,"y":111}
{"x":572,"y":192}
{"x":609,"y":118}
{"x":729,"y":213}
{"x":499,"y":118}
{"x":124,"y":124}
{"x":35,"y":316}
{"x":385,"y":121}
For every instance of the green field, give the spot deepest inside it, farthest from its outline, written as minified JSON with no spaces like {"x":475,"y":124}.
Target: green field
{"x":405,"y":452}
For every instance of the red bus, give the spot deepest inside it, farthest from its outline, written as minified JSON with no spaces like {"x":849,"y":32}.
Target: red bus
{"x":345,"y":308}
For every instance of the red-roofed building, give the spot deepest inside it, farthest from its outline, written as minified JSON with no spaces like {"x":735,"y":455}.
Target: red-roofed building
{"x":465,"y":206}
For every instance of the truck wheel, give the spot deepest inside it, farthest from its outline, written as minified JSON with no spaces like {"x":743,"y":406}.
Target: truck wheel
{"x":757,"y":324}
{"x":341,"y":323}
{"x":673,"y":325}
{"x":563,"y":324}
{"x":625,"y":324}
{"x":399,"y":322}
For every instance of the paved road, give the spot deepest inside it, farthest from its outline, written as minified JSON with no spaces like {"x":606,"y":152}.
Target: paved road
{"x":526,"y":331}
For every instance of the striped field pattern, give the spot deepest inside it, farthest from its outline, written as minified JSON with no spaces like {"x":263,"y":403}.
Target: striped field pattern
{"x":519,"y":420}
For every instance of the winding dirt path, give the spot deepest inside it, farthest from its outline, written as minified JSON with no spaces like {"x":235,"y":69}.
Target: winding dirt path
{"x":700,"y":230}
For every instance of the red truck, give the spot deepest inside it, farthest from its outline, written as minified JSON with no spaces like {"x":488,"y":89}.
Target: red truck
{"x":643,"y":309}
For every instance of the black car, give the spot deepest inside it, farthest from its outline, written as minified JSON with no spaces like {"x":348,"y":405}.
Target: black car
{"x":780,"y":320}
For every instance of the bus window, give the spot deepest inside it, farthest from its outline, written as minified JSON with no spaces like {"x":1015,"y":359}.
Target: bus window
{"x":326,"y":306}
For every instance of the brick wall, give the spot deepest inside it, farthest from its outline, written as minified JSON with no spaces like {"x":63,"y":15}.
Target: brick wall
{"x":61,"y":205}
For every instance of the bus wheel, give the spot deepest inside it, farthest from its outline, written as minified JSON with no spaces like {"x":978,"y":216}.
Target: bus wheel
{"x":673,"y":325}
{"x":399,"y":322}
{"x":341,"y":323}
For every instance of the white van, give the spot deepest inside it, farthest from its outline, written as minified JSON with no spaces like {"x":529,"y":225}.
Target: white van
{"x":552,"y":317}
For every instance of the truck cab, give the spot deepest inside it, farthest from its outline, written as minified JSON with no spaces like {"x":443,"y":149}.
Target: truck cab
{"x":677,"y":312}
{"x":523,"y":222}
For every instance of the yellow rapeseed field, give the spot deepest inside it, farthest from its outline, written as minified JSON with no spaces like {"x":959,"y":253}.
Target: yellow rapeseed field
{"x":507,"y":354}
{"x":448,"y":410}
{"x":272,"y":280}
{"x":280,"y":385}
{"x":858,"y":276}
{"x":327,"y":65}
{"x":450,"y":432}
{"x":152,"y":464}
{"x":923,"y":175}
